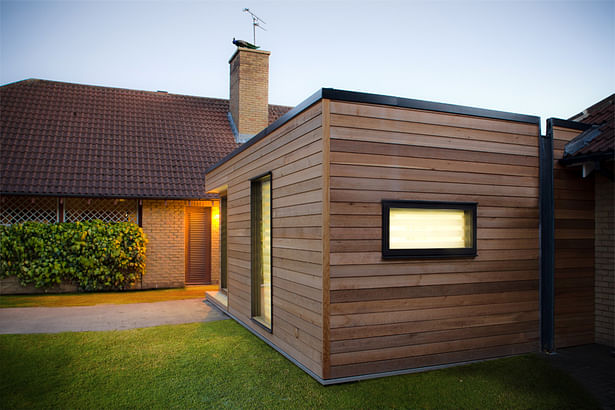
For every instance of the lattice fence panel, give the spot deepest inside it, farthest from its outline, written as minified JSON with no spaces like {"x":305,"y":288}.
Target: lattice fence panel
{"x":18,"y":209}
{"x":107,"y":210}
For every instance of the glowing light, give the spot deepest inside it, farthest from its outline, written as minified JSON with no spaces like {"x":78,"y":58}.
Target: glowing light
{"x":412,"y":228}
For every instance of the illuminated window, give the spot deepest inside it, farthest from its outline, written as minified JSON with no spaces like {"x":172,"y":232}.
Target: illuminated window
{"x":428,"y":229}
{"x":260,"y":205}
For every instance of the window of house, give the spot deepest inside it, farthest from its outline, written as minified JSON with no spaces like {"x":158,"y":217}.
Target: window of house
{"x":428,"y":229}
{"x":223,"y":242}
{"x":260,"y":203}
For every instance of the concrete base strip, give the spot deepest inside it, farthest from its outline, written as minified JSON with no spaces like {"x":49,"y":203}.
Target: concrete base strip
{"x":105,"y":317}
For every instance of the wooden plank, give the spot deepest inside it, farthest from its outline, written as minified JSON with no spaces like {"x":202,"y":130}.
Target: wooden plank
{"x":359,"y":332}
{"x":419,"y":140}
{"x":374,"y":184}
{"x":393,"y":305}
{"x":465,"y":134}
{"x":378,"y":148}
{"x":431,"y":176}
{"x":432,"y":117}
{"x":339,"y":359}
{"x":346,"y":195}
{"x":390,"y":161}
{"x":432,"y":360}
{"x":407,"y":339}
{"x":362,"y":258}
{"x":418,"y":292}
{"x":378,"y":318}
{"x":418,"y":267}
{"x":430,"y":279}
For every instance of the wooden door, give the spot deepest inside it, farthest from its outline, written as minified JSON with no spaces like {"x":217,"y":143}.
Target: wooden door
{"x":198,"y":246}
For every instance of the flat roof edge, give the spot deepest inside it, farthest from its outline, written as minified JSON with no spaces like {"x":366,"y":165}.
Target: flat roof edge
{"x":354,"y":96}
{"x":360,"y":97}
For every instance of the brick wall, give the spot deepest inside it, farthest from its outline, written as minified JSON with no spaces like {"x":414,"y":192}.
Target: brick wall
{"x":163,"y":223}
{"x":249,"y":90}
{"x":165,"y":226}
{"x":605,"y":261}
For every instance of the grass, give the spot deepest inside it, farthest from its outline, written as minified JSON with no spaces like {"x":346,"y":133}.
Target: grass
{"x":221,"y":365}
{"x":89,"y":299}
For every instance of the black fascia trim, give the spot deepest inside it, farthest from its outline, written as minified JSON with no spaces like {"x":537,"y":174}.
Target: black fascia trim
{"x":558,"y":122}
{"x":547,"y":239}
{"x":269,"y":129}
{"x":597,"y":156}
{"x":353,"y":96}
{"x":431,"y":253}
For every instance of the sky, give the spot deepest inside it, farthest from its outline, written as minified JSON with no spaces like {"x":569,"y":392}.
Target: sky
{"x":545,"y":58}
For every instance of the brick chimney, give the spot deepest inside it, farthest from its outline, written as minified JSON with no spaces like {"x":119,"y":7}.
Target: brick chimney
{"x":249,"y":92}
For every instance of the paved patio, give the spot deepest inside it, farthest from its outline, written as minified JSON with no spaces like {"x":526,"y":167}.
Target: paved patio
{"x":593,"y":366}
{"x":106,"y":317}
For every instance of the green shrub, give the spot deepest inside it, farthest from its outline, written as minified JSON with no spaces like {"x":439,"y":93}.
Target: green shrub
{"x":94,"y":255}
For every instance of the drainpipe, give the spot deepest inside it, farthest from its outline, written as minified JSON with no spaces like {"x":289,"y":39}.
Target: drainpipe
{"x":547,"y":241}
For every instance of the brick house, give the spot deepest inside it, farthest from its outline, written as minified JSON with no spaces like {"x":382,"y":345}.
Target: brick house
{"x":74,"y":152}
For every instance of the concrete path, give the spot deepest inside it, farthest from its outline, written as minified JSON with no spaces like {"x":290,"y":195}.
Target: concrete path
{"x":593,"y":366}
{"x":106,"y":317}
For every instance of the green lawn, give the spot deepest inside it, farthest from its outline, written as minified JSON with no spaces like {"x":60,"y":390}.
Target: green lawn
{"x":98,"y":298}
{"x":221,"y":365}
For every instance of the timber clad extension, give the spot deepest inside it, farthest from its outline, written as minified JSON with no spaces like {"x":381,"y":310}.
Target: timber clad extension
{"x":293,"y":155}
{"x":339,"y":309}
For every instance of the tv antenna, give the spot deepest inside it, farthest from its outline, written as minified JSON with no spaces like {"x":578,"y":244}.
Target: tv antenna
{"x":256,"y":22}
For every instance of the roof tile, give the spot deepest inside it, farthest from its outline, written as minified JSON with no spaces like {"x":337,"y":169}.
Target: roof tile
{"x":71,"y":139}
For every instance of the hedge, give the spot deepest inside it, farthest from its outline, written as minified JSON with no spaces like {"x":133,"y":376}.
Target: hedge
{"x":94,"y":255}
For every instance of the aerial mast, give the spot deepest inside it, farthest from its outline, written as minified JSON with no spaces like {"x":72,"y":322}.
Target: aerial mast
{"x":256,"y":22}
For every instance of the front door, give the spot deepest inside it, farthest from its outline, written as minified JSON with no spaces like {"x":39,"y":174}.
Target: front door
{"x":198,"y":245}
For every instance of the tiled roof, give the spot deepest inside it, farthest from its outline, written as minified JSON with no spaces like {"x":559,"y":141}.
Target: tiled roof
{"x":70,"y":139}
{"x":601,"y":114}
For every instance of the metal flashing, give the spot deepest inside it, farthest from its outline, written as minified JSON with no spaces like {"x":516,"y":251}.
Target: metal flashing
{"x":353,"y":96}
{"x":580,"y":141}
{"x":597,"y":156}
{"x":575,"y":125}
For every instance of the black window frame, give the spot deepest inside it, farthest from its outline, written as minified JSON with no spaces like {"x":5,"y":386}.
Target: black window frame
{"x":388,"y":253}
{"x":223,"y":241}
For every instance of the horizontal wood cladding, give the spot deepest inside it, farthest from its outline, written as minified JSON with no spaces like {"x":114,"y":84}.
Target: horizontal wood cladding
{"x":293,"y":155}
{"x":390,"y":315}
{"x":574,"y":248}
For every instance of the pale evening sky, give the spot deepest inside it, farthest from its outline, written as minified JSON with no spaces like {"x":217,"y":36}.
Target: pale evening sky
{"x":545,"y":58}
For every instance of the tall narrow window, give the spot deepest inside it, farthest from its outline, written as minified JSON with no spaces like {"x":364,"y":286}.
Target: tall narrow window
{"x":223,"y":241}
{"x":260,"y":193}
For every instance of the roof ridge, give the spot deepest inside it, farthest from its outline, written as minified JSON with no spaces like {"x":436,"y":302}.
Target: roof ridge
{"x":106,"y":87}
